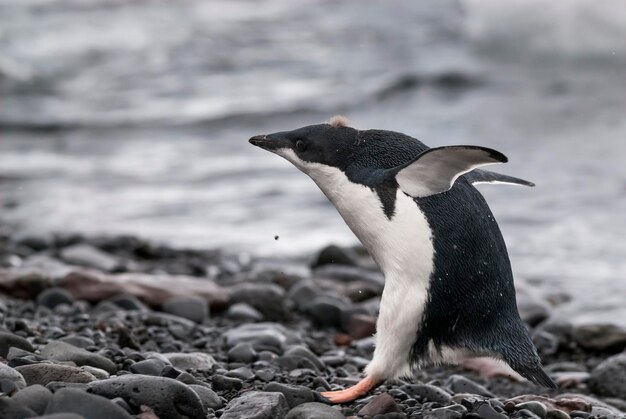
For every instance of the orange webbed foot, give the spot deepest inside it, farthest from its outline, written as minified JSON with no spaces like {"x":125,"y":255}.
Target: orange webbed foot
{"x":351,"y":393}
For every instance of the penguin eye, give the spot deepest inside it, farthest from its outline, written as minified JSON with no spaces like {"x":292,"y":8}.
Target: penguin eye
{"x":300,"y":145}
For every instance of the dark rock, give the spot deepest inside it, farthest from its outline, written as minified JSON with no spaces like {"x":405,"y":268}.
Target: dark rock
{"x":300,"y":352}
{"x":243,"y":373}
{"x":35,"y":397}
{"x":379,"y":405}
{"x":427,"y":393}
{"x":326,"y":310}
{"x":361,"y":325}
{"x":486,"y":411}
{"x":244,"y":312}
{"x":195,"y":309}
{"x":242,"y":352}
{"x":449,"y":412}
{"x":460,"y":384}
{"x":88,"y":405}
{"x":269,"y":299}
{"x":167,"y":397}
{"x":294,"y":394}
{"x":348,"y":274}
{"x":260,"y":335}
{"x":78,"y":341}
{"x":609,"y":378}
{"x":86,"y":255}
{"x":44,"y":373}
{"x":61,"y":351}
{"x":302,"y":294}
{"x":536,"y":408}
{"x":314,"y":411}
{"x":61,"y":416}
{"x":335,"y":255}
{"x":8,"y":340}
{"x":257,"y":405}
{"x":223,"y":383}
{"x":128,"y":302}
{"x":54,"y":296}
{"x":191,"y":361}
{"x":209,"y":399}
{"x":10,"y":408}
{"x":148,"y":367}
{"x":9,"y":374}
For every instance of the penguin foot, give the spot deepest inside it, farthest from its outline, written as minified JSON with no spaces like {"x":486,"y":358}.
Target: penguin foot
{"x":490,"y":368}
{"x":351,"y":393}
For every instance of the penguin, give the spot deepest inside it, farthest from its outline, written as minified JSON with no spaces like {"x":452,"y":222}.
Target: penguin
{"x":448,"y":293}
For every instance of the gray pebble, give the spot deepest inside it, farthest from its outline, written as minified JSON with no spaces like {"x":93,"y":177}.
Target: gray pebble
{"x":148,"y":367}
{"x":609,"y":378}
{"x":35,"y":397}
{"x":314,"y":410}
{"x":167,"y":397}
{"x":195,"y":309}
{"x":244,"y":312}
{"x":257,"y":405}
{"x":242,"y":352}
{"x":44,"y":373}
{"x":537,"y":408}
{"x":88,"y":405}
{"x":302,"y":352}
{"x":10,"y":408}
{"x":8,"y":340}
{"x":427,"y":392}
{"x":461,"y":384}
{"x":10,"y":374}
{"x":243,"y":373}
{"x":222,"y":383}
{"x":190,"y":361}
{"x":294,"y":394}
{"x":61,"y":351}
{"x":83,"y":254}
{"x":209,"y":399}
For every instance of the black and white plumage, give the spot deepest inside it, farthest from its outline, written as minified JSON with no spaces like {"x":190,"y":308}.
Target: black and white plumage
{"x":449,"y":291}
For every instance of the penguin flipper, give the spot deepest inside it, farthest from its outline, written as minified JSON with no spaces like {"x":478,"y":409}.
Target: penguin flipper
{"x":484,"y":176}
{"x":436,"y":169}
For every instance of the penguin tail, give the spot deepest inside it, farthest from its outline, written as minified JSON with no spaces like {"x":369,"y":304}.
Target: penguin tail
{"x":536,"y":374}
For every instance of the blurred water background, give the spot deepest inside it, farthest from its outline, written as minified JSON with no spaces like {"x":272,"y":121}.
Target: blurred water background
{"x":133,"y":117}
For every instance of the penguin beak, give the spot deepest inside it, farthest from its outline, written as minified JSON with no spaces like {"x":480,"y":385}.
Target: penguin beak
{"x":268,"y":142}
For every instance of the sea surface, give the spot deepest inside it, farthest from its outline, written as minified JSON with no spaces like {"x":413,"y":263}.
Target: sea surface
{"x":124,"y":117}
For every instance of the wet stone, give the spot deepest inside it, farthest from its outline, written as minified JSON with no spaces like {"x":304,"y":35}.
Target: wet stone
{"x":223,"y":383}
{"x":10,"y":408}
{"x":83,"y":254}
{"x":427,"y":392}
{"x":209,"y":399}
{"x":537,"y":408}
{"x":243,"y":373}
{"x":9,"y":374}
{"x":609,"y":378}
{"x":44,"y":373}
{"x":314,"y":410}
{"x":244,"y":312}
{"x":148,"y":367}
{"x":191,"y":361}
{"x":242,"y":352}
{"x":460,"y":384}
{"x":381,"y":404}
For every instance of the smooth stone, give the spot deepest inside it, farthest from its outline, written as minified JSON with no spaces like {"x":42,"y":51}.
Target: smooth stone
{"x":35,"y":397}
{"x":10,"y":374}
{"x":195,"y":309}
{"x":336,"y":255}
{"x":379,"y":405}
{"x":269,"y":299}
{"x":53,"y":297}
{"x":537,"y":408}
{"x":61,"y":351}
{"x":260,"y":335}
{"x":223,"y":383}
{"x":10,"y":408}
{"x":191,"y":361}
{"x":302,"y":352}
{"x":8,"y":340}
{"x":448,"y":412}
{"x":78,"y":341}
{"x":61,"y":416}
{"x":209,"y":398}
{"x":44,"y":373}
{"x":99,"y":373}
{"x":86,"y":255}
{"x":348,"y":274}
{"x":326,"y":310}
{"x":148,"y":367}
{"x":461,"y":384}
{"x":486,"y":411}
{"x":242,"y":352}
{"x":302,"y":294}
{"x":314,"y":410}
{"x":128,"y":302}
{"x":427,"y":392}
{"x":257,"y":405}
{"x":294,"y":394}
{"x":557,"y":414}
{"x":244,"y":312}
{"x":243,"y":373}
{"x":608,"y":379}
{"x":167,"y":397}
{"x":88,"y":405}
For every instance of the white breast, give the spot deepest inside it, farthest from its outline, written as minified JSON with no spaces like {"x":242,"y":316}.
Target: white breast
{"x":403,"y":249}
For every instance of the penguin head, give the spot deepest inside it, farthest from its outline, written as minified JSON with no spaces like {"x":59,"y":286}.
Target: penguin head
{"x":332,"y":144}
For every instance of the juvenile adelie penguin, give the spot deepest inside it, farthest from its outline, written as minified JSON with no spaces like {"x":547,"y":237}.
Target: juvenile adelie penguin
{"x":448,"y":292}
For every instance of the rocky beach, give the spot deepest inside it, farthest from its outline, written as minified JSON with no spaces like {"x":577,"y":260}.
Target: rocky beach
{"x":120,"y":327}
